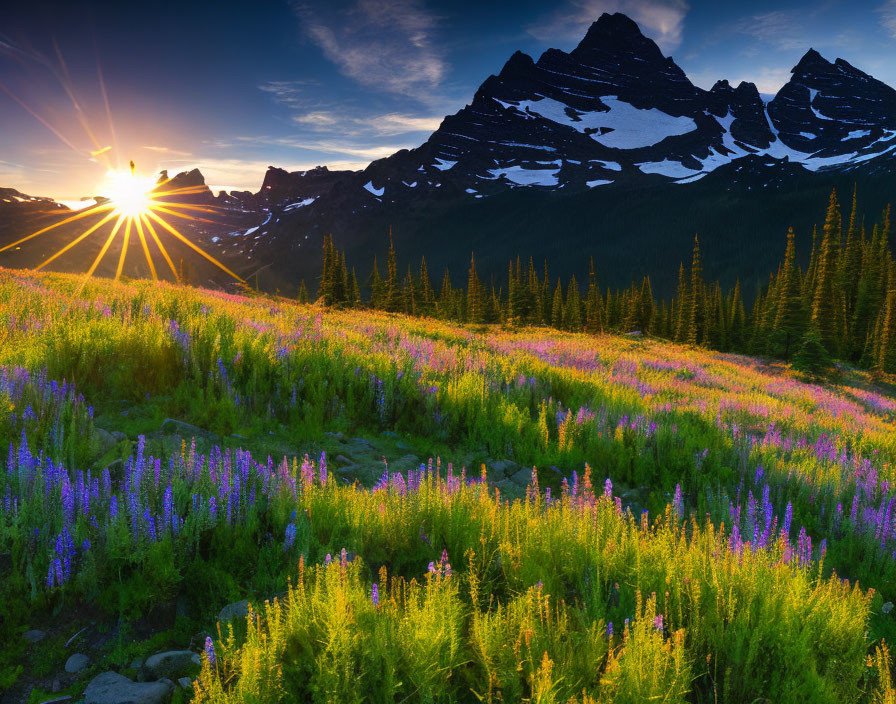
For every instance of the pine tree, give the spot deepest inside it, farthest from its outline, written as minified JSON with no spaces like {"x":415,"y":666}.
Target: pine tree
{"x":392,"y":289}
{"x":572,"y":309}
{"x":377,"y":292}
{"x":696,"y":299}
{"x":303,"y":293}
{"x":645,"y":308}
{"x":557,"y":308}
{"x":682,"y":300}
{"x":427,"y":297}
{"x":446,"y":297}
{"x":886,"y":342}
{"x":475,"y":302}
{"x":355,"y":290}
{"x":789,"y":318}
{"x":594,"y":322}
{"x":826,"y":311}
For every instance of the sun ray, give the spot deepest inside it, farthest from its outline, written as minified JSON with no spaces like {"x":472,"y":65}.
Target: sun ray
{"x":184,"y":216}
{"x":77,"y":216}
{"x":155,"y":237}
{"x":71,"y":244}
{"x":99,"y":257}
{"x":192,"y":246}
{"x":138,"y":221}
{"x":124,"y":247}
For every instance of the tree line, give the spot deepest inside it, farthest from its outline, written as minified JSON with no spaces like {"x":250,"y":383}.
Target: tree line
{"x":842,"y":305}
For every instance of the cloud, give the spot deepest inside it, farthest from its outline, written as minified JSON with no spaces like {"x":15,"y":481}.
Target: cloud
{"x":662,"y":20}
{"x":165,"y":150}
{"x":386,"y":125}
{"x":323,"y":146}
{"x":888,"y":17}
{"x":780,"y":28}
{"x":387,"y":44}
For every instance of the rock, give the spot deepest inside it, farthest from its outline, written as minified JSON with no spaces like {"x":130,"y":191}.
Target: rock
{"x":34,"y":636}
{"x":361,"y":442}
{"x":58,"y":700}
{"x":389,"y":434}
{"x":137,"y":663}
{"x":173,"y":663}
{"x":56,"y":686}
{"x":118,"y":436}
{"x":197,"y":642}
{"x":403,"y":464}
{"x":185,"y":683}
{"x":336,"y":436}
{"x":887,"y":608}
{"x":238,"y":609}
{"x":342,"y":459}
{"x":76,"y":663}
{"x":506,"y":468}
{"x":112,"y":688}
{"x":522,"y":478}
{"x":171,"y":426}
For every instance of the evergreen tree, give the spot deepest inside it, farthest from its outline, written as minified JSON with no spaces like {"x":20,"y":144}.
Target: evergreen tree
{"x":789,"y":318}
{"x":475,"y":302}
{"x":392,"y":298}
{"x":696,"y":299}
{"x":826,"y":310}
{"x":572,"y":309}
{"x":681,"y":297}
{"x":557,"y":308}
{"x":303,"y":293}
{"x":427,"y":296}
{"x":594,"y":322}
{"x":355,"y":290}
{"x":377,"y":291}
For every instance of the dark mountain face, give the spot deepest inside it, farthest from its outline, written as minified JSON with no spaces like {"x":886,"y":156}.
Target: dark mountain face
{"x":607,"y":150}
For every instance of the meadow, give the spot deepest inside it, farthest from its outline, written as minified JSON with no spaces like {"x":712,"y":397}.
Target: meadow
{"x":692,"y":526}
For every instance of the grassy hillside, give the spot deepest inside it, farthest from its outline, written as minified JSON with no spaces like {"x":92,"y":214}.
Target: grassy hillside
{"x":699,"y":527}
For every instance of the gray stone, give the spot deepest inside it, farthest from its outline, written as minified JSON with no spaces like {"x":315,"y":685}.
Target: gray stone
{"x":185,"y":683}
{"x":238,"y":609}
{"x":173,"y":663}
{"x":336,"y":436}
{"x":76,"y":663}
{"x":522,"y":477}
{"x":173,"y":426}
{"x":389,"y":434}
{"x":137,"y":663}
{"x":506,"y":467}
{"x":112,"y":688}
{"x":58,"y":700}
{"x":34,"y":636}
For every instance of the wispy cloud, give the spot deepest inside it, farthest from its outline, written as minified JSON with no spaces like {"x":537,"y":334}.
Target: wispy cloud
{"x":387,"y":44}
{"x":325,"y":146}
{"x":779,"y":28}
{"x":165,"y":150}
{"x":661,"y":20}
{"x":888,"y":16}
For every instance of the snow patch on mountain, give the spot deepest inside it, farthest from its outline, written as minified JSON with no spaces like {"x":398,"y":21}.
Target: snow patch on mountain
{"x":374,"y":191}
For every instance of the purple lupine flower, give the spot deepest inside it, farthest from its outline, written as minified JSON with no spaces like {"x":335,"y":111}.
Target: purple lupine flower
{"x":658,"y":622}
{"x":290,"y":536}
{"x":375,"y":594}
{"x":85,"y":546}
{"x":322,"y":469}
{"x":212,"y":509}
{"x":51,"y":574}
{"x":610,"y":630}
{"x":209,"y":650}
{"x":788,"y":516}
{"x":328,"y":559}
{"x":677,"y":501}
{"x":608,"y":488}
{"x":113,"y":507}
{"x":166,"y":505}
{"x":57,"y":571}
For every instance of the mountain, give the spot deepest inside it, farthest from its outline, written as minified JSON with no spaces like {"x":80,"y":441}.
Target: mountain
{"x":607,"y":150}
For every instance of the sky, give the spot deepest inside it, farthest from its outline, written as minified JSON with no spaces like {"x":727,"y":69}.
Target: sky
{"x":232,"y":88}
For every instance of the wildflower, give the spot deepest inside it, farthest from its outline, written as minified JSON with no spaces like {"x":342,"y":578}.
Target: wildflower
{"x":85,"y":546}
{"x":608,"y":488}
{"x":658,"y":622}
{"x":209,"y":650}
{"x":375,"y":594}
{"x":328,"y":559}
{"x":610,"y":630}
{"x":290,"y":536}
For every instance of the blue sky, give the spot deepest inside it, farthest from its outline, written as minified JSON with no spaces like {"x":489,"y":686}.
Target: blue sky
{"x":234,"y":87}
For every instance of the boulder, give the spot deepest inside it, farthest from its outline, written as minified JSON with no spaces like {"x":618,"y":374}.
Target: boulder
{"x":112,"y":688}
{"x":505,"y":468}
{"x":389,"y":434}
{"x":34,"y":636}
{"x":336,"y":436}
{"x":172,"y":426}
{"x":170,"y":664}
{"x":238,"y":609}
{"x":185,"y":683}
{"x":522,"y":477}
{"x":76,"y":663}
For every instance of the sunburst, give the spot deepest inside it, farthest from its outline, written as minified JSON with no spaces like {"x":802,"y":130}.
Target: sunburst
{"x":135,"y":203}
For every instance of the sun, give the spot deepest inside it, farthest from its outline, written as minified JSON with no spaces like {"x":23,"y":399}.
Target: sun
{"x":129,"y":193}
{"x":134,"y":203}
